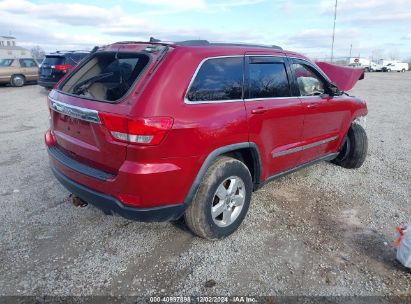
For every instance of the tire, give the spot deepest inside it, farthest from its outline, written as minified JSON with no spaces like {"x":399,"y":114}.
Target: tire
{"x":403,"y":70}
{"x":226,"y":187}
{"x":354,"y":148}
{"x":17,"y":80}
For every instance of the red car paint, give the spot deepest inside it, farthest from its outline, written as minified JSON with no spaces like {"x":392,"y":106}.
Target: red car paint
{"x":344,"y":77}
{"x":164,"y":174}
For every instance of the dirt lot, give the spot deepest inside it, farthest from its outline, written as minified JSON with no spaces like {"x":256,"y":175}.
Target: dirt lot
{"x":322,"y":231}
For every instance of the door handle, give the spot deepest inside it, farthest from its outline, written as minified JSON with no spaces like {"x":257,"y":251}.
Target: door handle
{"x":313,"y":105}
{"x":259,"y":110}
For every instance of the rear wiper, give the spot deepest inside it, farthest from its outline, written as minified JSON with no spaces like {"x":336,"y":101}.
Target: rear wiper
{"x":82,"y":86}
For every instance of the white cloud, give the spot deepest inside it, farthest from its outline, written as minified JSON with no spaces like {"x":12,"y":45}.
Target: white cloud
{"x":67,"y":13}
{"x":376,"y":12}
{"x":175,"y":4}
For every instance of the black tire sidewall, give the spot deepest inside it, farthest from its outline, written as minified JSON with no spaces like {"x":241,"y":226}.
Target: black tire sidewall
{"x":220,"y":174}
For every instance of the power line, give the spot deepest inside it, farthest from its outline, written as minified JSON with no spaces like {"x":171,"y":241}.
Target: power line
{"x":335,"y":17}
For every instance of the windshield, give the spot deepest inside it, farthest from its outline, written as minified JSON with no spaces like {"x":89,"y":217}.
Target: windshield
{"x":106,"y":76}
{"x":5,"y":62}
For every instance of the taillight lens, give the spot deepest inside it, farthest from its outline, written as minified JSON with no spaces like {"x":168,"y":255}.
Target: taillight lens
{"x":61,"y":67}
{"x":143,"y":131}
{"x":49,"y":138}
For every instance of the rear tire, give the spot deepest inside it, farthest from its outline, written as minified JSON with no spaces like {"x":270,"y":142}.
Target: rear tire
{"x":354,"y":148}
{"x":17,"y":80}
{"x":222,"y":199}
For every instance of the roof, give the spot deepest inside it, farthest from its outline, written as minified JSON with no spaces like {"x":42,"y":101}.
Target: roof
{"x":12,"y":48}
{"x":62,"y":53}
{"x":8,"y":37}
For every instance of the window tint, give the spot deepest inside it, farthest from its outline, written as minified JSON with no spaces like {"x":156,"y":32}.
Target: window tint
{"x":27,"y":63}
{"x":53,"y":60}
{"x":6,"y":62}
{"x":218,"y":79}
{"x":268,"y":79}
{"x":309,"y":83}
{"x":106,"y":76}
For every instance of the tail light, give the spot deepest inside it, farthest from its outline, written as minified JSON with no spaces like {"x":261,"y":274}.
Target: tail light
{"x":49,"y":138}
{"x":143,"y":131}
{"x":61,"y":67}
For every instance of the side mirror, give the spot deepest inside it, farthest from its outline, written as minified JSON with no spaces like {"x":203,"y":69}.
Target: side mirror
{"x":332,"y":89}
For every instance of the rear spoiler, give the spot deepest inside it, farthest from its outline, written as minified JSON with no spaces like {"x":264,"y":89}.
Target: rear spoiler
{"x":344,"y":78}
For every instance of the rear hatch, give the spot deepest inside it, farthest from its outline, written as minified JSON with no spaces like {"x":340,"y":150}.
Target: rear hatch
{"x":98,"y":86}
{"x":48,"y":69}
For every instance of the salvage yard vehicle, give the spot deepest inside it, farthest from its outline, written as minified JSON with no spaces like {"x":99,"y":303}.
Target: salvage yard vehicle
{"x":17,"y":72}
{"x":155,"y":131}
{"x":396,"y":66}
{"x":56,"y":65}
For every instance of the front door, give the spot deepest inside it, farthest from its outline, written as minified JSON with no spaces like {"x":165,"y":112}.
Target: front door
{"x":324,"y":114}
{"x":275,"y":118}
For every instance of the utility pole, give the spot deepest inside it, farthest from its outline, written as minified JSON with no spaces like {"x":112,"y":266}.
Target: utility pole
{"x":335,"y":17}
{"x":350,"y":49}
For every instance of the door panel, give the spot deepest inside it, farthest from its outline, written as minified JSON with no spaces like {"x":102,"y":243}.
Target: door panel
{"x":275,"y":118}
{"x":324,"y":115}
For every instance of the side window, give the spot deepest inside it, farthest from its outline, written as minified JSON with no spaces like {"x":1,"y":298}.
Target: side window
{"x":27,"y":63}
{"x":309,"y":83}
{"x":267,"y":78}
{"x":218,"y":79}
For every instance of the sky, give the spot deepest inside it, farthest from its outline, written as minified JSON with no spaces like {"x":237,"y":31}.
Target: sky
{"x":374,"y":28}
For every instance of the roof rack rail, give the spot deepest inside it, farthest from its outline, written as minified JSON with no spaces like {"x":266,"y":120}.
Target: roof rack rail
{"x":206,"y":42}
{"x":69,"y":51}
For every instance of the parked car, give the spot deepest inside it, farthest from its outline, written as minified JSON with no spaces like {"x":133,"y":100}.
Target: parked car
{"x":371,"y":67}
{"x":395,"y":66}
{"x":156,"y":131}
{"x":56,"y":65}
{"x":17,"y":72}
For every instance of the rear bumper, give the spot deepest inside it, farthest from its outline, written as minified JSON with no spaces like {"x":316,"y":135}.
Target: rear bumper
{"x":110,"y":205}
{"x":46,"y":84}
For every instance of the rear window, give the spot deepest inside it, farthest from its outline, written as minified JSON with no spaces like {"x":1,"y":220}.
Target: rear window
{"x":53,"y":60}
{"x":106,"y":76}
{"x":218,"y":79}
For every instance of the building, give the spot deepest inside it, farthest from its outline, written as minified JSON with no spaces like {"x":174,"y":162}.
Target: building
{"x":9,"y":49}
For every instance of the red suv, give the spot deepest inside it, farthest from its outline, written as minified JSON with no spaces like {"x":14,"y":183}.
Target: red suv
{"x":157,"y":131}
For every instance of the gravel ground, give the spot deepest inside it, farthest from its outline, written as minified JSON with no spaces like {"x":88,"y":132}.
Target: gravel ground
{"x":324,"y":230}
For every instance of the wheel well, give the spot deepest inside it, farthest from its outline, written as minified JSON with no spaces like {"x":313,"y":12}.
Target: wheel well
{"x":251,"y":159}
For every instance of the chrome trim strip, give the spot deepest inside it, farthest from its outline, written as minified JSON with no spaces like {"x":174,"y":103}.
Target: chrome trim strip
{"x":305,"y":147}
{"x":74,"y":111}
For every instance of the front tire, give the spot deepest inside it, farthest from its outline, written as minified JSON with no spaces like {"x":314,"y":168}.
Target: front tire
{"x":354,"y":149}
{"x":17,"y":81}
{"x":222,"y":199}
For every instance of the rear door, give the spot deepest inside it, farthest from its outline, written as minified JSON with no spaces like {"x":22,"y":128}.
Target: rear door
{"x":30,"y":68}
{"x":46,"y":70}
{"x":324,"y":115}
{"x":75,"y":116}
{"x":275,"y":118}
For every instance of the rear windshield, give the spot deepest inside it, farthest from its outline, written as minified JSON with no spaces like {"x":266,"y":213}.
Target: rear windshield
{"x":106,"y":76}
{"x":6,"y":62}
{"x":53,"y":60}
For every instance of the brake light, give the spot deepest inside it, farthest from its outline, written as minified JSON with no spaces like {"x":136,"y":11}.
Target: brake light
{"x":49,"y":138}
{"x":143,"y":131}
{"x":61,"y":67}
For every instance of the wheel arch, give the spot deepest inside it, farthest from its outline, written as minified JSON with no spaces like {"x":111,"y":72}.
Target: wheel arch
{"x":246,"y":152}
